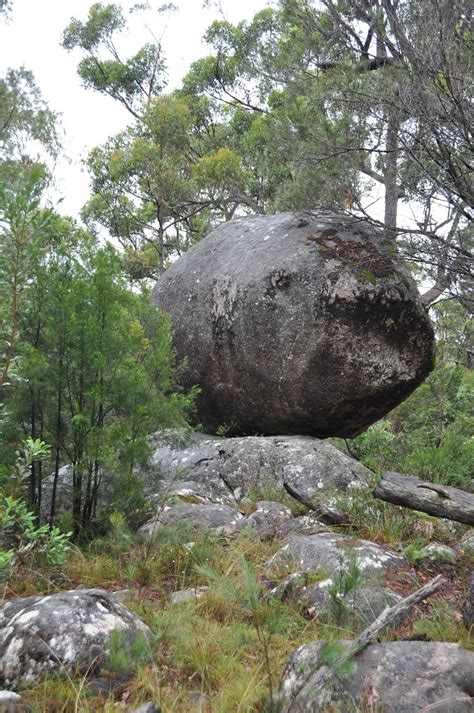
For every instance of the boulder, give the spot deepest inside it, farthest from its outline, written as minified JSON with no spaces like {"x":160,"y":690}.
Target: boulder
{"x":294,"y":326}
{"x":196,"y":518}
{"x":202,"y":468}
{"x":330,"y":553}
{"x":67,"y":631}
{"x":360,"y":606}
{"x":267,"y":518}
{"x":408,"y":676}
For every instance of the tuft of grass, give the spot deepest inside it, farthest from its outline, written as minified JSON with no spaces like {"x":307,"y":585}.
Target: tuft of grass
{"x":444,"y":624}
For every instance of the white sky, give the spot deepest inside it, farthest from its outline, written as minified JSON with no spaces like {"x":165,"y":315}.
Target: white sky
{"x":31,"y":38}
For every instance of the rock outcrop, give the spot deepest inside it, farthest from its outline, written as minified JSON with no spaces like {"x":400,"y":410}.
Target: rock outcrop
{"x":68,"y":631}
{"x":207,"y":469}
{"x":296,"y":327}
{"x":331,"y":552}
{"x":408,"y":676}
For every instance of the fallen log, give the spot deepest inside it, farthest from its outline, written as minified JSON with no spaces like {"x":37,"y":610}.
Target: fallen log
{"x":325,"y":677}
{"x":438,"y":500}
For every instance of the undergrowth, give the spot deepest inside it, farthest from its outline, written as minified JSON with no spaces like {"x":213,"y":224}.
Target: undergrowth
{"x":224,"y":651}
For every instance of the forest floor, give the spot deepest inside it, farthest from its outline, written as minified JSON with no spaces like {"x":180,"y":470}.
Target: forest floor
{"x":225,"y":650}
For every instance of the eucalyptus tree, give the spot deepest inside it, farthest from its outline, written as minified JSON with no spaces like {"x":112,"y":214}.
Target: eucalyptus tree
{"x":343,"y":94}
{"x":160,"y":183}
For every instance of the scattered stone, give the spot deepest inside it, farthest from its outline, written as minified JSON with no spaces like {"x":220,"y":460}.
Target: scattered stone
{"x":289,"y":588}
{"x":10,"y":702}
{"x":108,"y":686}
{"x":468,"y":609}
{"x":296,"y":331}
{"x":66,"y":631}
{"x":267,"y":518}
{"x":198,"y":700}
{"x":330,"y":552}
{"x":466,"y":545}
{"x":227,"y":470}
{"x":182,"y":596}
{"x":412,"y":676}
{"x":440,"y":553}
{"x":216,"y":518}
{"x":121,"y":595}
{"x":147,"y":708}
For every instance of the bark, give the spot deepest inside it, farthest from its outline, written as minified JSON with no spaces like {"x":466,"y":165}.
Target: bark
{"x":438,"y":500}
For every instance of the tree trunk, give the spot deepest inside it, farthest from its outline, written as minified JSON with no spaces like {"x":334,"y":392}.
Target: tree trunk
{"x":438,"y":500}
{"x":390,"y":176}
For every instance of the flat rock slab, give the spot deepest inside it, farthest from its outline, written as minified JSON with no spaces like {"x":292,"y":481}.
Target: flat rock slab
{"x":196,"y":518}
{"x":200,"y":467}
{"x":329,"y":552}
{"x":408,"y":676}
{"x":296,"y":327}
{"x":67,"y":631}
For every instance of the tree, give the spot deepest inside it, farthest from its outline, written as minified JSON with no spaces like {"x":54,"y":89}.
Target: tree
{"x":96,"y":373}
{"x":374,"y":89}
{"x":161,"y":183}
{"x":23,"y":234}
{"x":27,"y":126}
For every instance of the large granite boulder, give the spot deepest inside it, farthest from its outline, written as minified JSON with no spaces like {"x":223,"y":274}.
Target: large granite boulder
{"x":296,"y":325}
{"x":396,"y":676}
{"x":200,"y":468}
{"x":69,"y":631}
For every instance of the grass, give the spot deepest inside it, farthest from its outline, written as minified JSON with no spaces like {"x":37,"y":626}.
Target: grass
{"x":223,"y":652}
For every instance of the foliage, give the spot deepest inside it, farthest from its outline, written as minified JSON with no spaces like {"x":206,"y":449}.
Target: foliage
{"x":21,"y":537}
{"x":125,"y":654}
{"x":96,"y":371}
{"x":345,"y":582}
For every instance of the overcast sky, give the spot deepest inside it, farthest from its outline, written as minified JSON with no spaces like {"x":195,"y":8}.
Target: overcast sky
{"x":31,"y":38}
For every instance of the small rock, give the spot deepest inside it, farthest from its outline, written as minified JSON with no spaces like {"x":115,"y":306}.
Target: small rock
{"x":466,"y":544}
{"x":441,"y":553}
{"x":10,"y":702}
{"x":198,"y":700}
{"x":182,"y":596}
{"x":362,"y":605}
{"x":267,"y":518}
{"x":468,"y":609}
{"x":147,"y":708}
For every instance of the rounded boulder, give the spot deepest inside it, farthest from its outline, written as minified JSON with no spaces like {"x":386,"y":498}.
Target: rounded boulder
{"x":296,"y":324}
